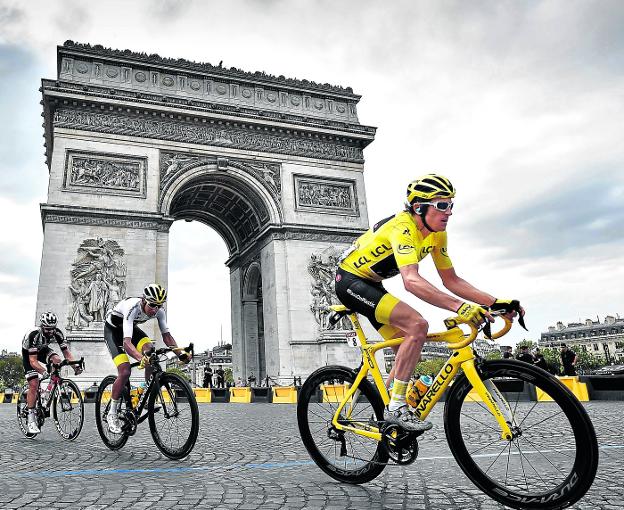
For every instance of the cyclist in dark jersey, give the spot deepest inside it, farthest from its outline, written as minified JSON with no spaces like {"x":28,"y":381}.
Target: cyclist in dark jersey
{"x":36,"y":352}
{"x":123,"y":337}
{"x":396,"y":245}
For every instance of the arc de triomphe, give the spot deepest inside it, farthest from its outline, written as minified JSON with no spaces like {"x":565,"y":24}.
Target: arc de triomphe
{"x":135,"y":142}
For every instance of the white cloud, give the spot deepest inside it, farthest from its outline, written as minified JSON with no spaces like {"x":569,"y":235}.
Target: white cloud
{"x":518,"y":103}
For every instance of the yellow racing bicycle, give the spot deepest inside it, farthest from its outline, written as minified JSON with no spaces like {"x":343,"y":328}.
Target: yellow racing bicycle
{"x":514,"y":429}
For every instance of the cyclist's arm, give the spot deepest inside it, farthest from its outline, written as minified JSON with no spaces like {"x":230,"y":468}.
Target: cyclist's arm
{"x":463,"y":289}
{"x":169,"y":340}
{"x":131,"y":349}
{"x":422,"y":289}
{"x":35,"y":364}
{"x":60,"y":338}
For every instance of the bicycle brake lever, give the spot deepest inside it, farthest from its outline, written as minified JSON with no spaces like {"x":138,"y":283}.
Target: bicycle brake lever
{"x":487,"y":330}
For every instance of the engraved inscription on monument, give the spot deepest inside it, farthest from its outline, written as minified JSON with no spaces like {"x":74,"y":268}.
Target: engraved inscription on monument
{"x":331,"y":196}
{"x":98,"y":282}
{"x":105,"y":174}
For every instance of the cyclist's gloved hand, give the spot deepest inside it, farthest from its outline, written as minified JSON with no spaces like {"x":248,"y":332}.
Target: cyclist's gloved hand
{"x":184,"y":356}
{"x":77,"y":369}
{"x":44,"y":375}
{"x":472,"y":314}
{"x":510,"y":308}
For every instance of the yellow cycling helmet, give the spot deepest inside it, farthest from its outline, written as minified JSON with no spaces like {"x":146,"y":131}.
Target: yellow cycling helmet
{"x":429,"y":186}
{"x":155,"y":294}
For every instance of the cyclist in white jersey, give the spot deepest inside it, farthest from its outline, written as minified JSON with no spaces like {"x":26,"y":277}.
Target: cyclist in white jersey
{"x":123,"y":337}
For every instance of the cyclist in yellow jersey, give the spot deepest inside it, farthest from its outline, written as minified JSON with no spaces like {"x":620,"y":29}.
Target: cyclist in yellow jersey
{"x":396,"y":245}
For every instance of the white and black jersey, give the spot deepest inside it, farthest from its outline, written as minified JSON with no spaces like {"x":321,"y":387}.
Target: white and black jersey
{"x":35,"y":341}
{"x":129,"y":312}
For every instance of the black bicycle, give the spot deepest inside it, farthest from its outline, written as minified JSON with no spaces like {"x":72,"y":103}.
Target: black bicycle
{"x":170,"y":406}
{"x":61,"y":398}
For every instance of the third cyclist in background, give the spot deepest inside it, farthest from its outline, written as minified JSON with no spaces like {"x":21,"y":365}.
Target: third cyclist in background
{"x":396,"y":245}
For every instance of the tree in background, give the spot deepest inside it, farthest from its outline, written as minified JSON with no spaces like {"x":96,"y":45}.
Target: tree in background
{"x":229,"y":376}
{"x":585,"y":361}
{"x":11,"y":372}
{"x":492,"y":355}
{"x":430,"y":366}
{"x":553,"y":360}
{"x":181,"y":373}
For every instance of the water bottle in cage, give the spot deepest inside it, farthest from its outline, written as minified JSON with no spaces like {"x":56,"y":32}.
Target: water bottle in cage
{"x":418,"y":389}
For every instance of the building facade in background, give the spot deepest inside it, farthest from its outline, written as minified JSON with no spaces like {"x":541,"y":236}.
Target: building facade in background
{"x":603,"y":340}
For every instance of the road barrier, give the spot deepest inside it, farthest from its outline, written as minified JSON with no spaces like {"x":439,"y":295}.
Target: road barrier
{"x":203,"y":395}
{"x":261,"y":395}
{"x":604,"y":387}
{"x":573,"y":384}
{"x":284,"y":395}
{"x":240,"y":395}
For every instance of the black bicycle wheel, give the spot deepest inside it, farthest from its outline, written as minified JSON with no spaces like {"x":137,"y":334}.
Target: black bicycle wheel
{"x":173,"y":416}
{"x":552,"y":461}
{"x":22,"y":413}
{"x":68,"y":410}
{"x":345,"y":456}
{"x":102,"y":406}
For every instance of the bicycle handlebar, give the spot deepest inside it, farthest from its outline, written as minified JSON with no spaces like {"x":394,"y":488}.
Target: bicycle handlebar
{"x":163,"y":350}
{"x":57,"y":366}
{"x":453,"y":322}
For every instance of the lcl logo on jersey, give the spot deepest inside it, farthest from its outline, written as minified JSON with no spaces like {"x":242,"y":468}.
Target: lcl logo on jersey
{"x":443,"y":251}
{"x":405,"y":249}
{"x":425,"y":250}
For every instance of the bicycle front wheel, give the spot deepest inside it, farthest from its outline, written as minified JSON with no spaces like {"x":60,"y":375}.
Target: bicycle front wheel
{"x":552,"y":461}
{"x":173,"y":416}
{"x":343,"y":455}
{"x":68,"y":410}
{"x":102,"y":407}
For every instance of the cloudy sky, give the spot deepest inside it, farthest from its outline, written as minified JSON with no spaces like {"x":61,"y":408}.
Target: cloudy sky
{"x":520,"y":104}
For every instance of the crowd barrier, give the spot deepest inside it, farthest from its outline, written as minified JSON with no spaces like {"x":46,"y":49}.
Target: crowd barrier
{"x":585,"y":388}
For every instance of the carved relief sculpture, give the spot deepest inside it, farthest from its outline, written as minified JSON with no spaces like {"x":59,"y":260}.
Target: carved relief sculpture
{"x":323,"y":195}
{"x":98,"y":282}
{"x":322,"y":268}
{"x":104,"y":173}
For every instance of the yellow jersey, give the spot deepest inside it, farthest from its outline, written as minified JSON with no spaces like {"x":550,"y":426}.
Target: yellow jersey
{"x":390,"y":244}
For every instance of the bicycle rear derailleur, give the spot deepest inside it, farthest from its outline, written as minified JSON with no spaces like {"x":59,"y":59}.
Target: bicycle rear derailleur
{"x":130,"y":422}
{"x":401,"y":445}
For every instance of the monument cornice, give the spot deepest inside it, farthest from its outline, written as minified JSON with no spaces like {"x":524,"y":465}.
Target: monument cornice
{"x":183,"y":65}
{"x":77,"y":215}
{"x":66,"y":91}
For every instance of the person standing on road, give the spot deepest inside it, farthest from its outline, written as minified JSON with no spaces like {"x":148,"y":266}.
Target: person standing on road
{"x":525,"y":355}
{"x":568,"y":360}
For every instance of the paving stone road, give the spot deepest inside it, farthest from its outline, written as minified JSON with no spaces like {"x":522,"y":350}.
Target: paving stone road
{"x":250,"y":456}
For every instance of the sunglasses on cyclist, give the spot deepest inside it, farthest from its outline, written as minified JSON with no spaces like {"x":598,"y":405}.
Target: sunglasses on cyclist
{"x":440,"y":206}
{"x":153,"y":306}
{"x":48,"y":330}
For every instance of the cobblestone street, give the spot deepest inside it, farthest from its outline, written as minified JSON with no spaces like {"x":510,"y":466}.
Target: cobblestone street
{"x":251,"y":456}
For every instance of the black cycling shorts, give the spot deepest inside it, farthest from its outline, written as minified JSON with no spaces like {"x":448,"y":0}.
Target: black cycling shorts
{"x":369,"y":299}
{"x":43,"y":356}
{"x":113,"y":336}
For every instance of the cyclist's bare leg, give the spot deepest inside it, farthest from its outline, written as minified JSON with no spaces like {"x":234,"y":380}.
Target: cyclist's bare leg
{"x":31,"y":398}
{"x":123,"y":375}
{"x":415,"y":327}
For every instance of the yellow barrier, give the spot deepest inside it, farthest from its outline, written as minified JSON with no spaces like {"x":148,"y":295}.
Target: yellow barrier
{"x":15,"y":397}
{"x":240,"y":395}
{"x":284,"y":395}
{"x":573,"y":384}
{"x":203,"y":395}
{"x":334,"y":392}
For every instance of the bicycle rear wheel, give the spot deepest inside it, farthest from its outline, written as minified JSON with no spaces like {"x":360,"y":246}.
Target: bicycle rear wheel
{"x":22,"y":413}
{"x":550,"y":464}
{"x":345,"y":456}
{"x":173,"y":416}
{"x":102,"y":407}
{"x":68,"y":410}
